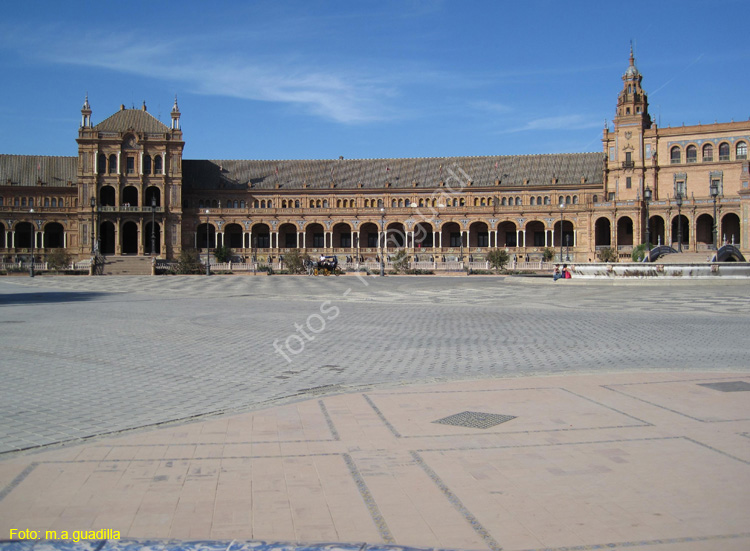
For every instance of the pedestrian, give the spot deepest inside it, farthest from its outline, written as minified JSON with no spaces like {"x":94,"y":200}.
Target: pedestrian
{"x":556,"y":273}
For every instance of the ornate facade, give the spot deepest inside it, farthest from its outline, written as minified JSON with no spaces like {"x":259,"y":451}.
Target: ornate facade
{"x":129,"y":192}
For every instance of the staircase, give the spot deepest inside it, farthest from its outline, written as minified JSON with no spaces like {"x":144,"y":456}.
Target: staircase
{"x":127,"y":265}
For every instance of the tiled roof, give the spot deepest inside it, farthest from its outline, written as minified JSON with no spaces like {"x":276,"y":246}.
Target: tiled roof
{"x":27,"y":170}
{"x":511,"y":170}
{"x":137,"y":119}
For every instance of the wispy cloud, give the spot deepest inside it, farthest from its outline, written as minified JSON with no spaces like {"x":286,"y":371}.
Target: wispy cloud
{"x":560,"y":122}
{"x":335,"y":93}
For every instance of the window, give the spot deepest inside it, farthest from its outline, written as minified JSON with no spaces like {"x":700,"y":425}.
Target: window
{"x":113,"y":164}
{"x":691,"y":154}
{"x":518,"y":201}
{"x":708,"y":153}
{"x":533,"y":201}
{"x":158,"y":164}
{"x":23,"y":201}
{"x":741,"y":151}
{"x":54,"y":202}
{"x":346,"y":240}
{"x":611,"y":196}
{"x":455,"y":239}
{"x":504,"y":202}
{"x":46,"y":201}
{"x":595,"y":199}
{"x":101,"y":166}
{"x":724,"y":151}
{"x":483,"y":239}
{"x":146,"y":164}
{"x":675,"y":156}
{"x":547,"y":200}
{"x":131,"y":165}
{"x":628,"y":182}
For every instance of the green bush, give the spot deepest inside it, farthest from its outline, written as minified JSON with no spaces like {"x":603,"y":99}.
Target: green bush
{"x":640,"y":251}
{"x":608,"y":254}
{"x":59,"y":259}
{"x":189,"y":263}
{"x":498,"y":258}
{"x":400,"y":262}
{"x":223,"y":254}
{"x":548,"y":254}
{"x":294,"y":261}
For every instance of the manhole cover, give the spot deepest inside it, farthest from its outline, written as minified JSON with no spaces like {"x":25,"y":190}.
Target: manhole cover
{"x":474,"y":419}
{"x":729,"y":386}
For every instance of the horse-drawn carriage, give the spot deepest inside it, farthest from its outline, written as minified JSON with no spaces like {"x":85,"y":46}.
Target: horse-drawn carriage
{"x":326,"y":265}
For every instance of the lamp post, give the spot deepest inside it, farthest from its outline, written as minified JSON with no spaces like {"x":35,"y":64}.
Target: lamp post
{"x":253,"y":247}
{"x":714,"y":190}
{"x":33,"y":237}
{"x":153,"y":221}
{"x":93,"y":204}
{"x":208,"y":242}
{"x":382,"y":249}
{"x":567,"y":248}
{"x":647,"y":194}
{"x":679,"y":222}
{"x":562,"y":223}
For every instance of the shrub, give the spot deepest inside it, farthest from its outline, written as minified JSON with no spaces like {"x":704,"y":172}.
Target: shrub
{"x":223,"y":254}
{"x":498,"y":258}
{"x":295,"y":261}
{"x":548,"y":254}
{"x":59,"y":259}
{"x":608,"y":254}
{"x":189,"y":263}
{"x":640,"y":251}
{"x":400,"y":262}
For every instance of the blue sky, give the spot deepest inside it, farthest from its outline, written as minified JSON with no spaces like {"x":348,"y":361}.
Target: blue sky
{"x":366,"y":79}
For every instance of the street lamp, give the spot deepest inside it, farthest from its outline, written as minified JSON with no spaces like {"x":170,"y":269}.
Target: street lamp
{"x":31,"y":268}
{"x":714,"y":190}
{"x":383,"y":248}
{"x":679,"y":221}
{"x":93,"y":204}
{"x":567,"y":248}
{"x":153,"y":229}
{"x":647,"y":194}
{"x":208,"y":261}
{"x":562,"y":223}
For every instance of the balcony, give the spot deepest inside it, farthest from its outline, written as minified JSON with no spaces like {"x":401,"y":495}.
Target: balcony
{"x":123,"y":208}
{"x":628,"y":164}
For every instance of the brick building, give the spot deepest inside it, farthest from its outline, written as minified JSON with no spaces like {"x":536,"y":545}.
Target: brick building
{"x":129,"y":186}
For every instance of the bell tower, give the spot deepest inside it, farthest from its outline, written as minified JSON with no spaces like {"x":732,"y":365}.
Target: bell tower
{"x":627,"y":153}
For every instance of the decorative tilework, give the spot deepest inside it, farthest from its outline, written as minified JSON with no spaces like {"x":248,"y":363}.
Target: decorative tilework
{"x":475,"y":419}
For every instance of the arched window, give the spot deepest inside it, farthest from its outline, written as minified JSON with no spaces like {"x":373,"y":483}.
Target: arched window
{"x":113,"y":164}
{"x":146,"y":164}
{"x":595,"y":199}
{"x":518,"y":201}
{"x":54,"y":202}
{"x":235,"y":203}
{"x":101,"y":167}
{"x":242,"y":204}
{"x":504,"y":202}
{"x":567,"y":200}
{"x":158,"y":164}
{"x":533,"y":201}
{"x":575,"y":199}
{"x":262,"y":203}
{"x":724,"y":151}
{"x":691,"y":154}
{"x":200,"y":204}
{"x":547,"y":200}
{"x":317,"y":203}
{"x":214,"y":204}
{"x":741,"y":151}
{"x":675,"y":155}
{"x":708,"y":152}
{"x":325,"y":203}
{"x":46,"y":201}
{"x":380,"y":203}
{"x":296,"y":203}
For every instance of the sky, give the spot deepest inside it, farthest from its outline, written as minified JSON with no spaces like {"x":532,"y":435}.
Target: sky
{"x":366,"y":79}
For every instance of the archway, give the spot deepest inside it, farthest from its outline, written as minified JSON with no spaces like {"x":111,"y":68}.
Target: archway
{"x":206,"y":234}
{"x":342,"y":236}
{"x":3,"y":232}
{"x":22,"y":233}
{"x":479,"y":235}
{"x":730,"y":229}
{"x":107,"y":196}
{"x":129,"y":237}
{"x":704,"y":229}
{"x":107,"y":238}
{"x":288,"y":236}
{"x":423,"y":235}
{"x":602,"y":232}
{"x":233,"y":236}
{"x":147,"y":238}
{"x":625,"y":231}
{"x":152,"y":192}
{"x":368,"y":235}
{"x":314,"y":236}
{"x":677,"y":227}
{"x":395,"y":235}
{"x":450,"y":235}
{"x":535,"y":234}
{"x":656,"y":227}
{"x":566,"y":236}
{"x":507,"y":234}
{"x":129,"y":197}
{"x":54,"y":236}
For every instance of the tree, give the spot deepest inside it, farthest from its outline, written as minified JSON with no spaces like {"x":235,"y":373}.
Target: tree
{"x":295,"y":261}
{"x":608,"y":254}
{"x":59,"y":259}
{"x":498,"y":258}
{"x":189,"y":263}
{"x":223,"y":254}
{"x":640,"y":252}
{"x":400,"y":261}
{"x":548,"y":254}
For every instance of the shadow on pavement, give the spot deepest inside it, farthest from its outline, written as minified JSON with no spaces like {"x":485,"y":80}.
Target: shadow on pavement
{"x":47,"y":297}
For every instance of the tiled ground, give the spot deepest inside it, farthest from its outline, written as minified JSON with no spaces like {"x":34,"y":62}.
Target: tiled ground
{"x":652,"y":461}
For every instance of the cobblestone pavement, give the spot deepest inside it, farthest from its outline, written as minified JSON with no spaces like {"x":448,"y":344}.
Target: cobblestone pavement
{"x":85,"y":356}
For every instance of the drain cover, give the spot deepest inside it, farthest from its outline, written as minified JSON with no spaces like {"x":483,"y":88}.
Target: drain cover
{"x":474,"y":419}
{"x":729,"y":386}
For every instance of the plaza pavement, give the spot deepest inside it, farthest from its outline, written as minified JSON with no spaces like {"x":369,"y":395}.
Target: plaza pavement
{"x":466,"y":412}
